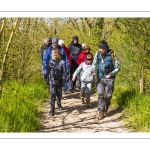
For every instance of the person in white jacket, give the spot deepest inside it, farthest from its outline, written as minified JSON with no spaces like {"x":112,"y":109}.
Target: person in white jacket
{"x":86,"y":78}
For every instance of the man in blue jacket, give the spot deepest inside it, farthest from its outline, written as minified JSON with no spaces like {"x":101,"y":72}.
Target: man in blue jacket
{"x":47,"y":43}
{"x":47,"y":56}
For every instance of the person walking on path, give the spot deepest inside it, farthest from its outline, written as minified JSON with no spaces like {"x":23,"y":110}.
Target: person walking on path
{"x":69,"y":85}
{"x":67,"y":52}
{"x":106,"y":67}
{"x":47,"y":43}
{"x":85,"y":68}
{"x":82,"y":58}
{"x":75,"y":48}
{"x":57,"y":78}
{"x":47,"y":56}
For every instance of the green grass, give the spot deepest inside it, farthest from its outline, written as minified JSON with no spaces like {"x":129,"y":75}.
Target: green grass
{"x":20,"y":106}
{"x":136,"y":108}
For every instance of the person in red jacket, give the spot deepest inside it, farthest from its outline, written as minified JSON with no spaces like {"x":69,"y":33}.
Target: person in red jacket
{"x":69,"y":84}
{"x":81,"y":58}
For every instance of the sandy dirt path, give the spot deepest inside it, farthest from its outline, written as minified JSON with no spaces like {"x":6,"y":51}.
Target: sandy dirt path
{"x":77,"y":118}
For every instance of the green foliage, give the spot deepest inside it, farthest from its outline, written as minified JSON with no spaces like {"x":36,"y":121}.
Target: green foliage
{"x":136,"y":108}
{"x":139,"y":113}
{"x":20,"y":106}
{"x":129,"y":41}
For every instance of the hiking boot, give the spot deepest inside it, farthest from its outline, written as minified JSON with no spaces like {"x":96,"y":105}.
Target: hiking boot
{"x":78,"y":86}
{"x":101,"y":114}
{"x":51,"y":113}
{"x":87,"y":103}
{"x":52,"y":109}
{"x":80,"y":95}
{"x":71,"y":91}
{"x":60,"y":107}
{"x":106,"y":109}
{"x":82,"y":100}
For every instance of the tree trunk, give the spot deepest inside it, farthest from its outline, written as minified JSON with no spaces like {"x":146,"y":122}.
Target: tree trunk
{"x":5,"y":55}
{"x":1,"y":30}
{"x":141,"y":85}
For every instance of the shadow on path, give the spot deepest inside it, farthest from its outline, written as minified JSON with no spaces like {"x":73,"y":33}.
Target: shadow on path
{"x":76,"y":117}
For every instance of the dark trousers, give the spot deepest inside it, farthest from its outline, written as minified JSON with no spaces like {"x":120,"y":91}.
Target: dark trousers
{"x":46,"y":79}
{"x":105,"y":89}
{"x":72,"y":70}
{"x":55,"y":91}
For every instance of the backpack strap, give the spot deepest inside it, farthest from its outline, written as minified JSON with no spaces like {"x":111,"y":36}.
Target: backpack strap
{"x":112,"y":57}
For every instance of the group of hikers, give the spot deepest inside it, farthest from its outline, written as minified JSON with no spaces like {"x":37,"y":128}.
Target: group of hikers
{"x":66,"y":68}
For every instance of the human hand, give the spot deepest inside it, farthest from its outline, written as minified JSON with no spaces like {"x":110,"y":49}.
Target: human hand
{"x":108,"y":76}
{"x":94,"y":73}
{"x":73,"y":79}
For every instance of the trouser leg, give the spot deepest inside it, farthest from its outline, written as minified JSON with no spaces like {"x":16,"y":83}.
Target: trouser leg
{"x":83,"y":88}
{"x":101,"y":90}
{"x":64,"y":88}
{"x":88,"y":91}
{"x":78,"y":82}
{"x":59,"y":96}
{"x":52,"y":99}
{"x":109,"y":90}
{"x":71,"y":74}
{"x":82,"y":91}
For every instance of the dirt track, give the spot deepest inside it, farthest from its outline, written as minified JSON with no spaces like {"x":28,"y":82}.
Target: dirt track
{"x":77,"y":118}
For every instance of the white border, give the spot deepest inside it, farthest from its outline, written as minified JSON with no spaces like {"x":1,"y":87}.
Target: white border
{"x":75,"y":14}
{"x":75,"y":5}
{"x":105,"y":8}
{"x":56,"y":135}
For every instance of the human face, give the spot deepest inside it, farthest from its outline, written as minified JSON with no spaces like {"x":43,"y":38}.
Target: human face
{"x":86,"y":51}
{"x":54,"y":45}
{"x":102,"y":50}
{"x":46,"y":42}
{"x":62,"y":45}
{"x":75,"y":41}
{"x":55,"y":55}
{"x":89,"y":61}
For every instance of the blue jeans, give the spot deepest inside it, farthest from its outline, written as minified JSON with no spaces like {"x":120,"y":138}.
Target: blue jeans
{"x":69,"y":84}
{"x":64,"y":88}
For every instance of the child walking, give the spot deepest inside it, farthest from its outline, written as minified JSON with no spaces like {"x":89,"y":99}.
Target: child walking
{"x":57,"y":78}
{"x":81,"y":58}
{"x":85,"y":68}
